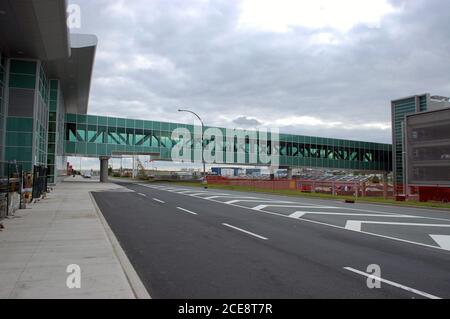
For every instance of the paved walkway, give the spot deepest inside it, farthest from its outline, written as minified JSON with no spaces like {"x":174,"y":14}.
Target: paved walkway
{"x":38,"y":244}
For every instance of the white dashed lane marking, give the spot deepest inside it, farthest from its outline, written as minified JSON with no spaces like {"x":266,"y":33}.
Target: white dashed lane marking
{"x":245,"y":231}
{"x":186,"y":211}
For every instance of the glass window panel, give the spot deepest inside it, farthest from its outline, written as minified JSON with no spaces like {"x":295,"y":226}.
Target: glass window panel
{"x":121,"y":136}
{"x":71,"y":118}
{"x":130,"y":123}
{"x":22,"y":81}
{"x":112,"y":121}
{"x":92,"y":133}
{"x":92,"y":120}
{"x":121,"y":122}
{"x":91,"y":149}
{"x":147,"y":125}
{"x":51,"y":148}
{"x":81,"y":119}
{"x":139,"y":124}
{"x":81,"y":132}
{"x":52,"y":116}
{"x":102,"y":120}
{"x":23,"y":67}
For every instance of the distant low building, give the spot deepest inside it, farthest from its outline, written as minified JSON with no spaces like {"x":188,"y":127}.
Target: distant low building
{"x":226,"y":171}
{"x":254,"y":172}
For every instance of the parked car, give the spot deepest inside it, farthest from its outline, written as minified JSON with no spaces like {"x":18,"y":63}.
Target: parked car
{"x":87,"y":174}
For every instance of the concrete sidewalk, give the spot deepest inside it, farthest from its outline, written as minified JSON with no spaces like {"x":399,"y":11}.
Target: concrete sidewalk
{"x":38,"y":244}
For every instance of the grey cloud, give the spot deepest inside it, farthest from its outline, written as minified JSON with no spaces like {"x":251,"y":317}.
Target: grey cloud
{"x":244,"y":121}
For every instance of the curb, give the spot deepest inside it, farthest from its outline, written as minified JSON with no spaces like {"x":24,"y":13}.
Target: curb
{"x":138,"y":288}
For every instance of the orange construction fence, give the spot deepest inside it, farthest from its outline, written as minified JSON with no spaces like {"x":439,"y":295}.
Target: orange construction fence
{"x":304,"y":185}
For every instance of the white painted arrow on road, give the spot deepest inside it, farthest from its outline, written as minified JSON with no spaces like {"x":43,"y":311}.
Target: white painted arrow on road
{"x":199,"y":193}
{"x":218,"y":196}
{"x":442,"y":240}
{"x":356,"y":224}
{"x":261,"y":207}
{"x":255,"y":200}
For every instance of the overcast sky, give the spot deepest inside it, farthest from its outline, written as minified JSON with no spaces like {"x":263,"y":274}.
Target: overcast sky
{"x":323,"y":67}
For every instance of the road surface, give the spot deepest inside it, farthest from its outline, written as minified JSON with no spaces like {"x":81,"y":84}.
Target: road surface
{"x":193,"y":243}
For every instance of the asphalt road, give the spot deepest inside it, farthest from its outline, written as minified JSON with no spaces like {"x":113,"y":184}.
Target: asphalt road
{"x":194,"y":243}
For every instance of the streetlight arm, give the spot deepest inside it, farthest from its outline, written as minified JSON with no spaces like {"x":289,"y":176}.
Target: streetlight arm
{"x":180,"y":110}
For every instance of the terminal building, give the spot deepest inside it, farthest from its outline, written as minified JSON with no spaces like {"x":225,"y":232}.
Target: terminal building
{"x":45,"y":72}
{"x":45,"y":79}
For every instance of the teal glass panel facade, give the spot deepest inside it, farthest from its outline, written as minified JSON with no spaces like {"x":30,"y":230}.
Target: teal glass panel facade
{"x":19,"y":141}
{"x":27,"y":123}
{"x":22,"y":74}
{"x":21,"y":131}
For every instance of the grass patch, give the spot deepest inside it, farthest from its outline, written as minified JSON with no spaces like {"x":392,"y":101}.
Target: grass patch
{"x":296,"y":193}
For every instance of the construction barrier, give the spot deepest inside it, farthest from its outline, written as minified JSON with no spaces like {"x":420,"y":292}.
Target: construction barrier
{"x":423,"y":193}
{"x":431,"y":193}
{"x":305,"y":185}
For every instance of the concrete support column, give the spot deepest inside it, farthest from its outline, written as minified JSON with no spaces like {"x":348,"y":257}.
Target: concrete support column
{"x":333,"y":188}
{"x":272,"y":173}
{"x":385,"y":185}
{"x":104,"y":169}
{"x":289,"y":173}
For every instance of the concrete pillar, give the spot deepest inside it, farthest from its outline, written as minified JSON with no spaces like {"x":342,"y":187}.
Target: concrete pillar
{"x":289,"y":173}
{"x":104,"y":169}
{"x":272,"y":173}
{"x":385,"y":185}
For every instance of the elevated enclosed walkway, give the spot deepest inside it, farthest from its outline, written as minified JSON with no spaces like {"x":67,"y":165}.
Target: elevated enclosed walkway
{"x":103,"y":137}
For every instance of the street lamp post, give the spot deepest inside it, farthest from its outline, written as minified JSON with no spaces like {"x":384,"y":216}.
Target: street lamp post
{"x":203,"y":155}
